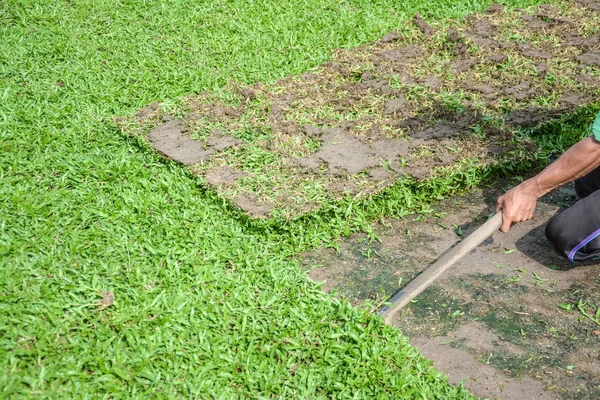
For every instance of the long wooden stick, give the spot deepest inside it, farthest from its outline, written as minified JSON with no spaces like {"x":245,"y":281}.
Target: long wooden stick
{"x":421,"y":282}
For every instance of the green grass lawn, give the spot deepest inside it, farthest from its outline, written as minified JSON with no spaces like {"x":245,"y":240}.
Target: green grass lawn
{"x":205,"y":302}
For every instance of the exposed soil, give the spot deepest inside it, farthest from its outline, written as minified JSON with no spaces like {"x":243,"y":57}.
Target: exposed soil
{"x":425,"y":28}
{"x":341,"y":153}
{"x":253,"y":205}
{"x":530,"y":116}
{"x":590,"y":59}
{"x":170,"y":140}
{"x":148,"y":112}
{"x":503,"y":320}
{"x":590,"y":4}
{"x":413,"y":103}
{"x":224,"y":175}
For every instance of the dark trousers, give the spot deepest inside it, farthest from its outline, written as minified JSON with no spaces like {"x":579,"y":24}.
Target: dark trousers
{"x":575,"y":233}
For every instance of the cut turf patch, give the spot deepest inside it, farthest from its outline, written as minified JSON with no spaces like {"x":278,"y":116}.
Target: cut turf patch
{"x":421,"y":104}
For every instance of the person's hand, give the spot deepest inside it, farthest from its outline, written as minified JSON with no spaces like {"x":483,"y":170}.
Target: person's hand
{"x":517,"y":205}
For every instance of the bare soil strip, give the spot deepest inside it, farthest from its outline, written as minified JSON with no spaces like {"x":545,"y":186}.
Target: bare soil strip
{"x":505,"y":319}
{"x":414,"y":105}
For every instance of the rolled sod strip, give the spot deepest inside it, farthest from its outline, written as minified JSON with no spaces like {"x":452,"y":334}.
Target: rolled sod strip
{"x":420,"y":283}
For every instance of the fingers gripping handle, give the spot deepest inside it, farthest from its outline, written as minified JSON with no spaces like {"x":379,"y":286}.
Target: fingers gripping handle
{"x":430,"y":274}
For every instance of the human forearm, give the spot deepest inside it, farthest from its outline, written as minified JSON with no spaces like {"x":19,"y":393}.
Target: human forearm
{"x":518,"y":203}
{"x":576,"y":162}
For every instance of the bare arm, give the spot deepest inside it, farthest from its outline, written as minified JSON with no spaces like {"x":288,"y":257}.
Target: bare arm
{"x":518,"y":203}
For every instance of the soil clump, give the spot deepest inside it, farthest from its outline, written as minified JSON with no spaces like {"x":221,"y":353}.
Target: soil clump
{"x":224,"y":175}
{"x":169,"y":140}
{"x":253,"y":205}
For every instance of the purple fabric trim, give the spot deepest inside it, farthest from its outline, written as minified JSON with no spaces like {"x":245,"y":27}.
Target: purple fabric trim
{"x":583,"y":243}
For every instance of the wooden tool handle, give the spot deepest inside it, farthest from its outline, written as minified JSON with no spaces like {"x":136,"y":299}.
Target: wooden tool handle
{"x":430,"y":274}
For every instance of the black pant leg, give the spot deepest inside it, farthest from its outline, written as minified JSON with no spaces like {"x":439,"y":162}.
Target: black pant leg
{"x":575,"y":233}
{"x":588,"y":184}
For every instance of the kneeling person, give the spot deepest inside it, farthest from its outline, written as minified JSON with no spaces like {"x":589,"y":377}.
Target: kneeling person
{"x":574,"y":233}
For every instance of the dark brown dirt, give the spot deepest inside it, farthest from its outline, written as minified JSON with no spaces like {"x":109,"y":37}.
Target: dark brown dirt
{"x":342,"y":153}
{"x":590,"y":59}
{"x":425,"y":28}
{"x":529,"y":51}
{"x":395,"y":106}
{"x":522,"y":91}
{"x":392,"y":149}
{"x":590,"y":4}
{"x":530,"y":117}
{"x":342,"y":187}
{"x":495,"y":320}
{"x":535,"y":24}
{"x":572,"y":100}
{"x":484,"y":28}
{"x":402,"y":54}
{"x":459,"y":66}
{"x":586,"y":43}
{"x":432,"y":82}
{"x":438,"y":131}
{"x":390,"y":37}
{"x":220,"y":142}
{"x":495,"y":9}
{"x":379,"y":174}
{"x":480,"y":88}
{"x":541,"y":69}
{"x":479,"y":377}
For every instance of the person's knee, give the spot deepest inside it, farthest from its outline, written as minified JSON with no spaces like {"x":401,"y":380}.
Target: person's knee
{"x":555,"y":233}
{"x":575,"y":232}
